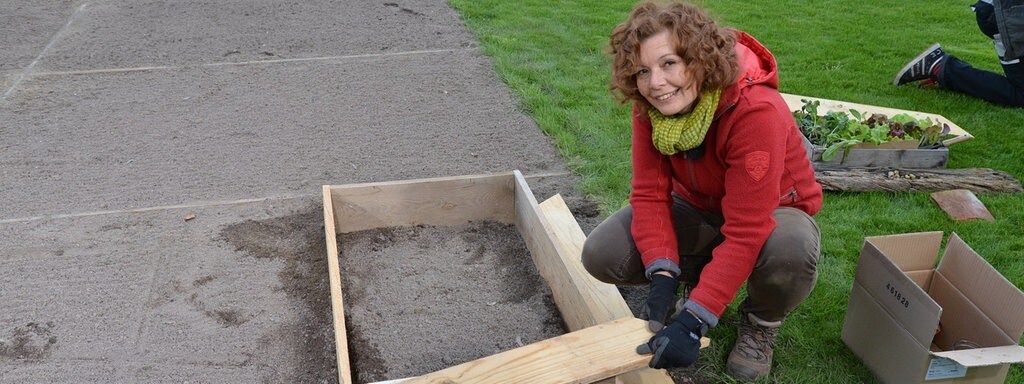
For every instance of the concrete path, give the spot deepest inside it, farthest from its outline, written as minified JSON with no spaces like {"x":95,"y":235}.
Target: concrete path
{"x":121,"y":120}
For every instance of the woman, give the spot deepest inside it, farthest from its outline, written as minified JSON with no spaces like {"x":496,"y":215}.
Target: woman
{"x":723,"y":191}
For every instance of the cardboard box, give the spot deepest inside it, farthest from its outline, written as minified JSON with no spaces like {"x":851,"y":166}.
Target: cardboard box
{"x":908,"y":320}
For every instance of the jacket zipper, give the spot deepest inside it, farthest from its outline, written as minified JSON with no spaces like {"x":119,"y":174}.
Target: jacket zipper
{"x":789,"y":197}
{"x":693,"y":178}
{"x":722,"y":112}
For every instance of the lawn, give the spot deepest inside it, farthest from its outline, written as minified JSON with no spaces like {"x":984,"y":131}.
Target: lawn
{"x":552,"y":55}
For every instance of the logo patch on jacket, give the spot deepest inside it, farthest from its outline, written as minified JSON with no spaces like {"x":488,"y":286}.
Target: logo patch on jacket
{"x":757,"y":164}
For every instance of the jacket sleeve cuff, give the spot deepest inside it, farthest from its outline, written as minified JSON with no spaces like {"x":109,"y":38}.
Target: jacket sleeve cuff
{"x":703,"y":313}
{"x":662,"y":265}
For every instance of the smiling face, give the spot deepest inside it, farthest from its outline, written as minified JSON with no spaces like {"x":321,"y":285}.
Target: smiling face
{"x":662,"y":78}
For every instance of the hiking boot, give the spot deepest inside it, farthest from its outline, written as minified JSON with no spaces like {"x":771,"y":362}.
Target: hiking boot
{"x":751,"y":357}
{"x":924,"y":66}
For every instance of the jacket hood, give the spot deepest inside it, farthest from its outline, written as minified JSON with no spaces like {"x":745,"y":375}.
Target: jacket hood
{"x":757,"y":66}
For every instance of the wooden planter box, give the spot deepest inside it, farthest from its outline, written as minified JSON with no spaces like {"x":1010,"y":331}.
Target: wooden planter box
{"x":904,"y":155}
{"x":898,"y":154}
{"x":603,"y":331}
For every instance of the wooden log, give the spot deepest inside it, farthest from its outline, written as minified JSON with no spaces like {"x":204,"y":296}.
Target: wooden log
{"x":977,"y":180}
{"x":583,"y":356}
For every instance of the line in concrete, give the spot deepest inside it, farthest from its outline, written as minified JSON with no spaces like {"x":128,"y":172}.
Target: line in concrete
{"x":203,"y":204}
{"x":28,"y":70}
{"x":245,"y":63}
{"x":135,"y":363}
{"x":158,"y":208}
{"x":103,"y":71}
{"x":343,"y":57}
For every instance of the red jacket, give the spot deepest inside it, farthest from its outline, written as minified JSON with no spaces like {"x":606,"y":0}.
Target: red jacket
{"x":754,"y":162}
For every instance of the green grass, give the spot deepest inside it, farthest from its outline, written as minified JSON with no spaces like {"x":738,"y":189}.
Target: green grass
{"x":552,"y":55}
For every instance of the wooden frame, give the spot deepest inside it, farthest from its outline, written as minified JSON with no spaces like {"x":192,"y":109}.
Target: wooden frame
{"x":551,"y":233}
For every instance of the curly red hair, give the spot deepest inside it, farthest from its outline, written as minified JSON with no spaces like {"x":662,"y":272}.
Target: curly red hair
{"x":708,"y":52}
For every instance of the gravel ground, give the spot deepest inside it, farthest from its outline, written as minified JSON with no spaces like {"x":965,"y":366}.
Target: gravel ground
{"x":161,"y":165}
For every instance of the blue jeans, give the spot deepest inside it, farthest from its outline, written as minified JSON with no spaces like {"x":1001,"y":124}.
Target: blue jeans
{"x":959,"y":76}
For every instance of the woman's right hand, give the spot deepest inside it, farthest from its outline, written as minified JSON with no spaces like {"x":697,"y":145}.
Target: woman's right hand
{"x":675,"y":346}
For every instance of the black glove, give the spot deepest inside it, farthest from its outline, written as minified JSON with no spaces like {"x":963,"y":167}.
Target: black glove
{"x":677,"y":345}
{"x":661,"y":301}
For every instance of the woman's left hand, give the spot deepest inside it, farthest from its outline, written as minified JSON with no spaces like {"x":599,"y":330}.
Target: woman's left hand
{"x":661,"y":300}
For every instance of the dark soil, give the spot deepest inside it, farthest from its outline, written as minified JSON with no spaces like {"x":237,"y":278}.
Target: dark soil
{"x":30,"y":341}
{"x":297,"y":240}
{"x":425,"y":298}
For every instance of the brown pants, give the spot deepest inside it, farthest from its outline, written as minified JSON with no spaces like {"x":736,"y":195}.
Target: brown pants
{"x":783,"y":276}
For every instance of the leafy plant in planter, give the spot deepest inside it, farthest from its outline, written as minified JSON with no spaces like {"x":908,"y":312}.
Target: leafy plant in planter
{"x":837,"y":130}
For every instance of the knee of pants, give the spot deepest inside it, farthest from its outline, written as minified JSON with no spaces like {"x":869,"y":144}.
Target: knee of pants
{"x":791,"y":253}
{"x":797,"y":251}
{"x":778,"y":287}
{"x":785,"y":274}
{"x":613,"y":263}
{"x":596,"y":260}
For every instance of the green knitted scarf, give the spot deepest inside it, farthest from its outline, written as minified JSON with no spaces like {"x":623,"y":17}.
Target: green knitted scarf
{"x":673,"y":134}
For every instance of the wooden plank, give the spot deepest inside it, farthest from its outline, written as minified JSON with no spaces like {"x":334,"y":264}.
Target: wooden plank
{"x":582,"y":356}
{"x":556,"y":241}
{"x":337,"y":304}
{"x":605,"y":303}
{"x":977,"y":180}
{"x":437,"y":201}
{"x":582,"y":300}
{"x":564,"y":286}
{"x":600,"y":300}
{"x":794,"y":103}
{"x":881,"y":157}
{"x":961,"y":205}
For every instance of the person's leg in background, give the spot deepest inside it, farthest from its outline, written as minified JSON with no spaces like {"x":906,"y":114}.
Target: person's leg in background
{"x":949,"y":72}
{"x":959,"y":76}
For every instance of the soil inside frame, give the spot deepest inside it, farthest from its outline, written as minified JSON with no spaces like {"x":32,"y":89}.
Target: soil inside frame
{"x":424,"y":298}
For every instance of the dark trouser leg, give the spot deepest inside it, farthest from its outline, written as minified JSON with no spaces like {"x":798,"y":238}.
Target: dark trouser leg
{"x":698,"y":233}
{"x":786,"y":269}
{"x":1015,"y":75}
{"x":610,"y":253}
{"x":783,"y":276}
{"x":1008,"y":90}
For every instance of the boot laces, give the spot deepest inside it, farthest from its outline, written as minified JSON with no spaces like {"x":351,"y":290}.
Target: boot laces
{"x":756,"y":342}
